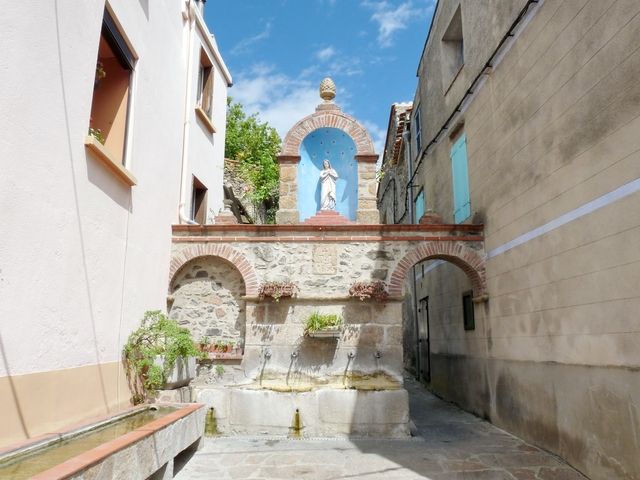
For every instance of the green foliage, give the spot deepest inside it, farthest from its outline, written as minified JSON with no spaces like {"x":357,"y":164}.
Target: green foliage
{"x":219,"y":369}
{"x":255,"y":145}
{"x":97,"y":134}
{"x":322,"y":321}
{"x":157,"y":336}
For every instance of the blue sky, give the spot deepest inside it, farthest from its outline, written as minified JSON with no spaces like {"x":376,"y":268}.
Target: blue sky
{"x":278,"y":51}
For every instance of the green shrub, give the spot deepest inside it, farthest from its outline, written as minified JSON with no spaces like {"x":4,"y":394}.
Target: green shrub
{"x":322,"y":321}
{"x":157,"y":336}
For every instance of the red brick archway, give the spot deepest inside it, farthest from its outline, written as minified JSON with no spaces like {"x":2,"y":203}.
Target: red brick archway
{"x":327,"y":119}
{"x":180,"y":259}
{"x":457,"y":253}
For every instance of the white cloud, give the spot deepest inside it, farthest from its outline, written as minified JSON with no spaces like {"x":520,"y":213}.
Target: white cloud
{"x":244,"y":44}
{"x":278,"y":99}
{"x":391,"y":19}
{"x":325,"y":53}
{"x":378,"y":136}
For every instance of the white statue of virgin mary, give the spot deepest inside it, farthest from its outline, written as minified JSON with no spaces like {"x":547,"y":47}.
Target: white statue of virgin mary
{"x":328,"y":178}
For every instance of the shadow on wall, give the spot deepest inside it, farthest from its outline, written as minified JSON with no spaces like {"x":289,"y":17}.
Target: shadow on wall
{"x":145,"y":7}
{"x":73,"y":174}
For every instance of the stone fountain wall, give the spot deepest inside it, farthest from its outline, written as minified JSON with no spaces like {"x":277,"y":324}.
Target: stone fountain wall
{"x":347,"y":385}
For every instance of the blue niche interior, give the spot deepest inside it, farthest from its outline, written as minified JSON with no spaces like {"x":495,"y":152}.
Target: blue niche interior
{"x":339,"y":148}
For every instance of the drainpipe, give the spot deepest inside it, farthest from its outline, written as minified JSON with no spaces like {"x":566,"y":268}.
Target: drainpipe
{"x":183,"y":217}
{"x":406,"y":137}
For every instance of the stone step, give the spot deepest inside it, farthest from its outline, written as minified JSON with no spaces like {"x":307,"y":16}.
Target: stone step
{"x":327,"y":217}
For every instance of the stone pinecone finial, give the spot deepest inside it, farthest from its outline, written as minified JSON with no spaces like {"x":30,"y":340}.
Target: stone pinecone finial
{"x":327,"y":89}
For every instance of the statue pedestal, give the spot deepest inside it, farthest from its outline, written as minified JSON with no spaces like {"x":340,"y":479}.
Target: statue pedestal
{"x":327,"y":217}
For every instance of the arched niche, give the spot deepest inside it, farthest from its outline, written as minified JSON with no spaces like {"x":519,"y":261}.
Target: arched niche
{"x":339,"y":148}
{"x":207,"y":296}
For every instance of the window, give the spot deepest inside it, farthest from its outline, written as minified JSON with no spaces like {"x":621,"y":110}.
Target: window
{"x":419,"y":206}
{"x":467,"y":311}
{"x":204,"y":106}
{"x":112,"y":92}
{"x":452,"y":50}
{"x":199,"y":202}
{"x":418,"y":130}
{"x":460,"y":179}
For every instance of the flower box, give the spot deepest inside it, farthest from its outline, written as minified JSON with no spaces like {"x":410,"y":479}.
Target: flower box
{"x":181,"y":374}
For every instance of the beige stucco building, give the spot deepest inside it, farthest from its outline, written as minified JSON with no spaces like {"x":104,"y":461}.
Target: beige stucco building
{"x":86,"y":235}
{"x":526,"y":119}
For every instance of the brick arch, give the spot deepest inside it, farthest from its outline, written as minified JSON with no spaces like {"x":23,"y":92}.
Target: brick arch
{"x":233,"y":256}
{"x":459,"y":254}
{"x":327,"y":119}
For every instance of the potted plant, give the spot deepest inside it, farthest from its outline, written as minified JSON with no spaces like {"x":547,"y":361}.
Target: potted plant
{"x":203,"y":344}
{"x":323,"y":325}
{"x":277,"y":290}
{"x":100,"y":74}
{"x":159,"y":354}
{"x":376,"y":290}
{"x":430,"y":218}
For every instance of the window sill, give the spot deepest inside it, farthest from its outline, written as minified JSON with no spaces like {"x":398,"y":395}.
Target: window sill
{"x":204,"y":118}
{"x":108,"y":161}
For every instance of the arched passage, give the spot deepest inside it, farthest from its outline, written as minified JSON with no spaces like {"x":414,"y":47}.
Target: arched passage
{"x":459,"y":254}
{"x":225,"y":252}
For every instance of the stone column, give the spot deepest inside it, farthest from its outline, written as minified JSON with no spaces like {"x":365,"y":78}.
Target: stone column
{"x":288,"y":212}
{"x":367,"y":188}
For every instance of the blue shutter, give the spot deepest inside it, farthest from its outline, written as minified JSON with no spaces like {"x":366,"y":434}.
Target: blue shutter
{"x":419,"y":206}
{"x":460,"y":177}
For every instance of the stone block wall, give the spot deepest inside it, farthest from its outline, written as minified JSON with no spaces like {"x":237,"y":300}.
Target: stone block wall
{"x":207,"y":298}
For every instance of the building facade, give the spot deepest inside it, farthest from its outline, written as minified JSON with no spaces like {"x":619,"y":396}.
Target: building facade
{"x":113,"y":129}
{"x":525,"y":119}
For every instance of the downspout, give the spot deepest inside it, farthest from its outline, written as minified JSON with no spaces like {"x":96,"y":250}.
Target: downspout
{"x":183,"y":218}
{"x":406,"y":137}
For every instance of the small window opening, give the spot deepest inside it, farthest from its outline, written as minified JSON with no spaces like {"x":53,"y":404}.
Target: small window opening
{"x":205,"y":85}
{"x":452,"y":49}
{"x":112,"y":90}
{"x":199,"y":202}
{"x":467,"y":311}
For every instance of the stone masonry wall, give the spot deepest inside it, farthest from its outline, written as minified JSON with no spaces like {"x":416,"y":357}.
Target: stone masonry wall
{"x":207,"y":299}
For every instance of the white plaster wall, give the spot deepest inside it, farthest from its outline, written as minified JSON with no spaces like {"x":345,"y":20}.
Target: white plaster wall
{"x":82,"y":255}
{"x":206,"y":150}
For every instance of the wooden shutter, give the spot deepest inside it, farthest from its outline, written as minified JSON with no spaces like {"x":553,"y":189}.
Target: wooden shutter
{"x":419,"y":206}
{"x":460,"y":178}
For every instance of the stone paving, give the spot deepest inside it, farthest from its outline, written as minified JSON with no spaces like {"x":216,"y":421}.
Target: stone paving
{"x":449,"y":444}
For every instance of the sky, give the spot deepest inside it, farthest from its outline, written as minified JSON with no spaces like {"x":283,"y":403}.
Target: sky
{"x":278,"y":51}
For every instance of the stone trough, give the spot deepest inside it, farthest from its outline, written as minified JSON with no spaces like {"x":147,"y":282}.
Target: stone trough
{"x":141,"y":443}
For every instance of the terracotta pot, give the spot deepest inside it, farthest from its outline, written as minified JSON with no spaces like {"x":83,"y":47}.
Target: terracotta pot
{"x":430,"y":218}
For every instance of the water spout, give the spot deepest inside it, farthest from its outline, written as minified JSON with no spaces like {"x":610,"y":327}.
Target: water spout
{"x":211,"y":424}
{"x":296,"y":425}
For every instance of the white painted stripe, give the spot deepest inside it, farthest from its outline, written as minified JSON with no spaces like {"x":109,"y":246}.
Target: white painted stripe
{"x":587,"y":208}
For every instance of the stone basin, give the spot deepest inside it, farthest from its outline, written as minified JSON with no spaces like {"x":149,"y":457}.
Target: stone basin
{"x":136,"y":444}
{"x":279,"y":382}
{"x":355,"y":404}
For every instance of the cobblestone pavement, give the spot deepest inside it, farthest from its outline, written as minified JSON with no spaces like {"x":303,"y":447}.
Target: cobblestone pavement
{"x":450,"y":444}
